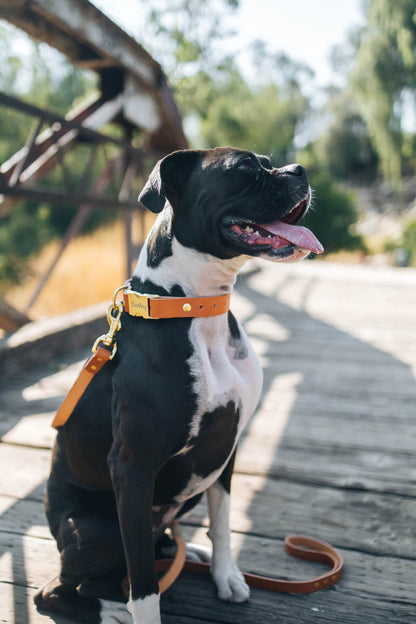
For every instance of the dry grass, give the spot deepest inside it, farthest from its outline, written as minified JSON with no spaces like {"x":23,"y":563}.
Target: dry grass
{"x":89,"y":271}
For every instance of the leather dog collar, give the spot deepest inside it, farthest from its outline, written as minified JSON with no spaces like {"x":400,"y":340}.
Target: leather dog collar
{"x":158,"y":307}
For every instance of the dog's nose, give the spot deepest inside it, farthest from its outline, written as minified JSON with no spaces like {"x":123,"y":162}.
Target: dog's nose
{"x":296,"y":170}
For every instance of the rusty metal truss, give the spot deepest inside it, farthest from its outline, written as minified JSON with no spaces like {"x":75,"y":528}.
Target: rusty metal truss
{"x":46,"y":149}
{"x":134,"y":95}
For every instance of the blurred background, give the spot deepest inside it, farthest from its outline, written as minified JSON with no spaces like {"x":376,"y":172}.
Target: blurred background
{"x":329,"y":85}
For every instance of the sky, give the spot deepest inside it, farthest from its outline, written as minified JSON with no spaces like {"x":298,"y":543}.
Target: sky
{"x":306,"y":30}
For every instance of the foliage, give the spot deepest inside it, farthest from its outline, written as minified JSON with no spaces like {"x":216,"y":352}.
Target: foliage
{"x":384,"y":71}
{"x":55,"y":85}
{"x":344,"y":147}
{"x":210,"y":88}
{"x":263,"y":119}
{"x":186,"y":36}
{"x":260,"y":106}
{"x":333,"y":215}
{"x":409,"y":241}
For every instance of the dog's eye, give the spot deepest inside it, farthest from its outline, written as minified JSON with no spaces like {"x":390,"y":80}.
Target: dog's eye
{"x":246,"y":165}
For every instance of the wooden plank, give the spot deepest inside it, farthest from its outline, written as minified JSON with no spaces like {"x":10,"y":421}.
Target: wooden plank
{"x":24,"y":534}
{"x":23,"y":517}
{"x":10,"y":318}
{"x":364,"y":573}
{"x":345,"y":423}
{"x":17,"y":607}
{"x":41,"y":341}
{"x":330,"y":465}
{"x":34,"y":430}
{"x":346,"y":453}
{"x":321,"y":428}
{"x":23,"y":471}
{"x":366,"y":521}
{"x":264,"y":607}
{"x":364,"y":518}
{"x":33,"y":561}
{"x":29,"y":562}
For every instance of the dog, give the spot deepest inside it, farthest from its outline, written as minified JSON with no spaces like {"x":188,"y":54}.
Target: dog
{"x":159,"y":424}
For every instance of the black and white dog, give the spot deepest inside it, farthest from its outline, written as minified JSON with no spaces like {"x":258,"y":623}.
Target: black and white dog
{"x":159,"y":424}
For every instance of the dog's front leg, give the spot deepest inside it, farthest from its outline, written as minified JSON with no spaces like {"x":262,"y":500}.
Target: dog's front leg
{"x":133,"y":488}
{"x":224,"y":570}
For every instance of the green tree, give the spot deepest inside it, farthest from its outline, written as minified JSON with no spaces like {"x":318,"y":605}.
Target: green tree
{"x":186,"y":36}
{"x":344,"y":148}
{"x":409,"y":241}
{"x":333,"y":215}
{"x":262,"y":116}
{"x":42,"y":77}
{"x":383,"y":73}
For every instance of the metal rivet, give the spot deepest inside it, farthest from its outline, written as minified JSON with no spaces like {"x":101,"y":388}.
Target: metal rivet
{"x":187,"y":307}
{"x":93,"y":367}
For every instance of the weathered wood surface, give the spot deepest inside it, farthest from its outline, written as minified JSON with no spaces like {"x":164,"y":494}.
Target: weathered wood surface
{"x":330,"y":453}
{"x":10,"y":318}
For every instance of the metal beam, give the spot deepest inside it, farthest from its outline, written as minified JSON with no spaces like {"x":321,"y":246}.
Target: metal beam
{"x":89,"y":38}
{"x":134,"y":94}
{"x":44,"y":151}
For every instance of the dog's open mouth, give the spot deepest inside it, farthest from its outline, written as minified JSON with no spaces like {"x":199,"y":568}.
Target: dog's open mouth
{"x":275,"y":236}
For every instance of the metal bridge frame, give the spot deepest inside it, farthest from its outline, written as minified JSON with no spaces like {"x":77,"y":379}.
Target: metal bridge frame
{"x":134,"y":94}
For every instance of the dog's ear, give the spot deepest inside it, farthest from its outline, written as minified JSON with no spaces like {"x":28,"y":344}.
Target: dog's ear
{"x":168,"y":179}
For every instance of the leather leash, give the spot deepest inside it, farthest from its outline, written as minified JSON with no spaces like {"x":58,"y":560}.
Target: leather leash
{"x":299,"y":546}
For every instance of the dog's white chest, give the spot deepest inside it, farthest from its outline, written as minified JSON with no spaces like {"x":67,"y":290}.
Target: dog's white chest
{"x":227,"y":383}
{"x":224,"y":369}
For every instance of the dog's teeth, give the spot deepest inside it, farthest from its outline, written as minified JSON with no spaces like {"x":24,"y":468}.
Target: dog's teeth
{"x":248,"y":229}
{"x":257,"y":233}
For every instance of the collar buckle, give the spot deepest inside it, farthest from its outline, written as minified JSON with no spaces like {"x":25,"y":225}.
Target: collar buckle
{"x":139,"y":304}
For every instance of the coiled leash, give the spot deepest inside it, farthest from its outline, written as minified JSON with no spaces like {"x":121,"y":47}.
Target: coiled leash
{"x":104,"y":349}
{"x":299,"y":546}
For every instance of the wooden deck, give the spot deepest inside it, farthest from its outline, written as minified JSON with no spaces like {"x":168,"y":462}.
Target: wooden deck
{"x":330,"y":453}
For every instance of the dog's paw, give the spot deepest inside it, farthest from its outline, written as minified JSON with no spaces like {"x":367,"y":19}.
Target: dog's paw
{"x":230,"y":582}
{"x":114,"y":613}
{"x":145,"y":610}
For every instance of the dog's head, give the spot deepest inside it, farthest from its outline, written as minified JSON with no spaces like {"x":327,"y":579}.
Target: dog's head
{"x":230,"y":202}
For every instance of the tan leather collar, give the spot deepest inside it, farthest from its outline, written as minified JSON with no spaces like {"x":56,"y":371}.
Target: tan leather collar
{"x":157,"y":307}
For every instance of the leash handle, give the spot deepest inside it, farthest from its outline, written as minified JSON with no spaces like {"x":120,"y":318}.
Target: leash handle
{"x":310,"y":549}
{"x":299,"y":546}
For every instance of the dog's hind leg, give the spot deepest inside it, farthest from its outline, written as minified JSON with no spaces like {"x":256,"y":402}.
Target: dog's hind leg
{"x":91,"y":556}
{"x":60,"y":598}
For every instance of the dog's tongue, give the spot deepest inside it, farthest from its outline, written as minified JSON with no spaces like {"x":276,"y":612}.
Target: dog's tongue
{"x":296,"y":234}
